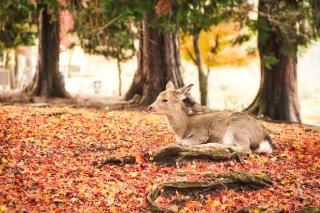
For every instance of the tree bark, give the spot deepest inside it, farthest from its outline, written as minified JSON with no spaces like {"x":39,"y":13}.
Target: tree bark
{"x":277,"y":97}
{"x":47,"y":81}
{"x":158,"y":63}
{"x":203,"y":78}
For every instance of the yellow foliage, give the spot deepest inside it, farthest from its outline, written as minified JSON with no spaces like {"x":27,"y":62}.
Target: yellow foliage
{"x":217,"y":47}
{"x":3,"y":209}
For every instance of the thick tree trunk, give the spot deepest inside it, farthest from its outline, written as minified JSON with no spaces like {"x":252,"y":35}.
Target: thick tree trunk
{"x":203,"y":78}
{"x":277,"y":97}
{"x":47,"y":81}
{"x":158,"y":63}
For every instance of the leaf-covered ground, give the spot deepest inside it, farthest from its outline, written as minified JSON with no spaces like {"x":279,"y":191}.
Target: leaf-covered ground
{"x":47,"y":158}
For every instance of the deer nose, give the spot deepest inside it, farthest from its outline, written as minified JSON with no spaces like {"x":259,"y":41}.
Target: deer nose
{"x":150,"y":108}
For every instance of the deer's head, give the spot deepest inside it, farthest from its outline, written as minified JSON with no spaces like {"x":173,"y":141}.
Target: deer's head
{"x":170,"y":100}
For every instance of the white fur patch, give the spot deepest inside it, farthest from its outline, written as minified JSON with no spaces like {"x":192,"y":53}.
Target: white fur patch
{"x":228,"y":139}
{"x":264,"y":146}
{"x":189,"y":142}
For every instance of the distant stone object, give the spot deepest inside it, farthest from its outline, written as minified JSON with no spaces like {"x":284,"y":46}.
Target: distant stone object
{"x":62,"y":78}
{"x":97,"y":85}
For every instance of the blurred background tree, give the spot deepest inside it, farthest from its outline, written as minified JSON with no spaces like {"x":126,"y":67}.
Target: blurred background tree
{"x":110,"y":30}
{"x":15,"y":31}
{"x":282,"y":27}
{"x":47,"y":81}
{"x":19,"y":26}
{"x":193,"y":17}
{"x":100,"y":32}
{"x":218,"y":47}
{"x":158,"y":58}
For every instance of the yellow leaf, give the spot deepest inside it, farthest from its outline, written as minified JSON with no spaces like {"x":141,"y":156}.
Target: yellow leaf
{"x":223,"y":206}
{"x":3,"y":209}
{"x":112,"y":209}
{"x":256,"y":210}
{"x":215,"y":204}
{"x":61,"y":192}
{"x":133,"y":174}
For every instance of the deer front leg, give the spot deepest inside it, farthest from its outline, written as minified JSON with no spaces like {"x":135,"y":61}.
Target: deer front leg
{"x":193,"y":140}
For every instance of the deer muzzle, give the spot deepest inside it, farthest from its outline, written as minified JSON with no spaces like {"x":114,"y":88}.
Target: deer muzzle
{"x":150,"y":109}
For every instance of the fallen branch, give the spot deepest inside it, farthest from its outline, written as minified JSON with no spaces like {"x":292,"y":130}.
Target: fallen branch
{"x":53,"y":114}
{"x":217,"y":183}
{"x":115,"y":161}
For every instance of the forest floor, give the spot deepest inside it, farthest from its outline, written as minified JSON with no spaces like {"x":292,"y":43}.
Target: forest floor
{"x":49,"y":155}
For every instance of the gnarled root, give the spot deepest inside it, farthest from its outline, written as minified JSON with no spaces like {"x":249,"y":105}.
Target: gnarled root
{"x":176,"y":153}
{"x":216,"y":183}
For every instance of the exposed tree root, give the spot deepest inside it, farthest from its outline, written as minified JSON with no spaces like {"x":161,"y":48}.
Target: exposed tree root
{"x":216,"y":183}
{"x":176,"y":153}
{"x":308,"y":209}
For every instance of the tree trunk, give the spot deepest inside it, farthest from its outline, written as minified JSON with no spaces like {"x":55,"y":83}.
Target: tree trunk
{"x":14,"y":71}
{"x":6,"y":58}
{"x":158,"y":63}
{"x":47,"y":81}
{"x":119,"y":76}
{"x":277,"y":97}
{"x":70,"y":51}
{"x":203,"y":78}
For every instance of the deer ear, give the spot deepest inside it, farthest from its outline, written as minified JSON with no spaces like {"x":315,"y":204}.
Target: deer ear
{"x":169,"y":86}
{"x":184,"y":90}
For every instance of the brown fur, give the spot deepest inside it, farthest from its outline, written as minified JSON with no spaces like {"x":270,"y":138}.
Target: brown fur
{"x":223,"y":129}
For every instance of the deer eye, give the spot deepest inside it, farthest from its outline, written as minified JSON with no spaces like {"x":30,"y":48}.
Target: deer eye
{"x":164,"y":100}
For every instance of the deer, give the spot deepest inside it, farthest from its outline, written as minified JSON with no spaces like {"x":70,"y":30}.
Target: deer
{"x":237,"y":131}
